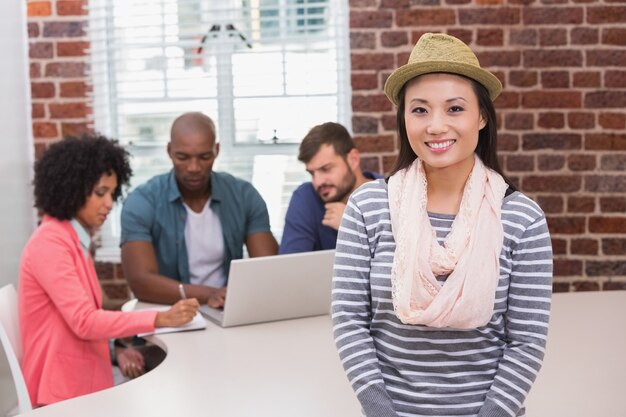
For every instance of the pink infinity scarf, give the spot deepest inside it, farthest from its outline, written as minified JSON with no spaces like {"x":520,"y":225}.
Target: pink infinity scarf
{"x":470,"y":253}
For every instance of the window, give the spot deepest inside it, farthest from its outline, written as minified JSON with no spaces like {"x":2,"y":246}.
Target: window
{"x":265,"y":70}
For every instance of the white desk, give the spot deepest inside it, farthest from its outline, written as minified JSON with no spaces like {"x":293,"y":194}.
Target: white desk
{"x":584,"y":372}
{"x":291,"y":368}
{"x":288,"y":368}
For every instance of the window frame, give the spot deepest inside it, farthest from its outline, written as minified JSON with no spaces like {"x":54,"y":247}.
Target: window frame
{"x":106,"y":106}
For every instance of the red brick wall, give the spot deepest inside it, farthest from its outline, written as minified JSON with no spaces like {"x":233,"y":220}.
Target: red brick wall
{"x":561,"y":117}
{"x":59,"y":66}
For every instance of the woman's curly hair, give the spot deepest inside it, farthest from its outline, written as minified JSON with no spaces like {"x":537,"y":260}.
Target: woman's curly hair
{"x":69,"y":170}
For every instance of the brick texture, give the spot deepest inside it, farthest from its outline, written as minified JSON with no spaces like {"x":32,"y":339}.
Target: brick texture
{"x":39,"y":8}
{"x":61,"y":87}
{"x":562,"y":117}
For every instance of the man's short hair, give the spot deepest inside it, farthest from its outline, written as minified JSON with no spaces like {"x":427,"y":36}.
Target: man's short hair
{"x":328,"y":133}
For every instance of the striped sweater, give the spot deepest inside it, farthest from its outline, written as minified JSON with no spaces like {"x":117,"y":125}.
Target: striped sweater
{"x":411,"y":370}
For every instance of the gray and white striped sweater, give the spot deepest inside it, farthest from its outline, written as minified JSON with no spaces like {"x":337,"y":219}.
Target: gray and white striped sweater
{"x":410,"y":370}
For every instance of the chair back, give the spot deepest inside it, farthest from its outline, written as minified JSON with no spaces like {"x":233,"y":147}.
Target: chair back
{"x":12,"y":344}
{"x":130,"y":304}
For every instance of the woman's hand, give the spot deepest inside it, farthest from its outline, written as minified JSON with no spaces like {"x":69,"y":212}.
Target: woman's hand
{"x":130,"y":362}
{"x":180,"y":313}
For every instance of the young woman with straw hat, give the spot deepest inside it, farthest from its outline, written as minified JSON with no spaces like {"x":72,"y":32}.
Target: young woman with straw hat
{"x":442,"y":280}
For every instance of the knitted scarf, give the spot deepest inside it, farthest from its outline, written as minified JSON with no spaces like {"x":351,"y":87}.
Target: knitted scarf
{"x":470,"y":253}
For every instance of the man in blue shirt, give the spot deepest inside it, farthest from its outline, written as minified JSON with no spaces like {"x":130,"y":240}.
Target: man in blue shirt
{"x":184,"y":227}
{"x":316,"y":207}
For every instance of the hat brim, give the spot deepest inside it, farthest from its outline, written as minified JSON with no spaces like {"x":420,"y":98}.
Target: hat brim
{"x":399,"y":77}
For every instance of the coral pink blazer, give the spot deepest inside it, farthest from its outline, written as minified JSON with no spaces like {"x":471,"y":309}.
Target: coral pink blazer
{"x":63,"y":327}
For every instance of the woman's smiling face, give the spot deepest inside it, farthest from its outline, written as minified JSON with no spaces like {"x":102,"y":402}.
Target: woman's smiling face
{"x":442,"y":118}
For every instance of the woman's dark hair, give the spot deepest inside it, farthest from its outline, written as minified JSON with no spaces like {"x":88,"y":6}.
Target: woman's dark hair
{"x":69,"y":170}
{"x":487,"y":136}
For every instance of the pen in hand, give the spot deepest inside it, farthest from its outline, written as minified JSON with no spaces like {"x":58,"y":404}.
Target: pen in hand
{"x":181,"y":291}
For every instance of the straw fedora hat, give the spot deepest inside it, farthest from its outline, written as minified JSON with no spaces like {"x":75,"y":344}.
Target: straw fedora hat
{"x":437,"y":52}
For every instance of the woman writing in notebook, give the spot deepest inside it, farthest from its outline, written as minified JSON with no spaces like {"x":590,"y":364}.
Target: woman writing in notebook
{"x":442,"y":280}
{"x":65,"y":332}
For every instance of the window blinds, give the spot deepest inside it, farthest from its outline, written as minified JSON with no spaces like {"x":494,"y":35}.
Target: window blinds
{"x":265,"y":71}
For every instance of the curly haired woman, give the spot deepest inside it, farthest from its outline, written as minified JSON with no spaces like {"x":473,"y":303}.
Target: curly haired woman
{"x":65,"y":332}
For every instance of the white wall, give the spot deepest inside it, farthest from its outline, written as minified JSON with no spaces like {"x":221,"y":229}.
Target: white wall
{"x":17,"y":218}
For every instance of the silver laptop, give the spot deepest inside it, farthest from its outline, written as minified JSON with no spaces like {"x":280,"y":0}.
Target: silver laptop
{"x":276,"y":288}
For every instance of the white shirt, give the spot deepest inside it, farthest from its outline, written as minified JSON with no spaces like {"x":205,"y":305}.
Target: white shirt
{"x":83,"y":236}
{"x":205,"y":247}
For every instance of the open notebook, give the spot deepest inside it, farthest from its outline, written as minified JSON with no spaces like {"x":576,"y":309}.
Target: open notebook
{"x":198,"y":323}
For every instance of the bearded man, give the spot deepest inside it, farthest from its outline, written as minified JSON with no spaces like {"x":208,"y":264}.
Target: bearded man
{"x":316,"y":207}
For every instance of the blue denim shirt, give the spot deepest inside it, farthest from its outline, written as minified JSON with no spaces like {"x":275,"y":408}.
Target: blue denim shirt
{"x":154,"y":212}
